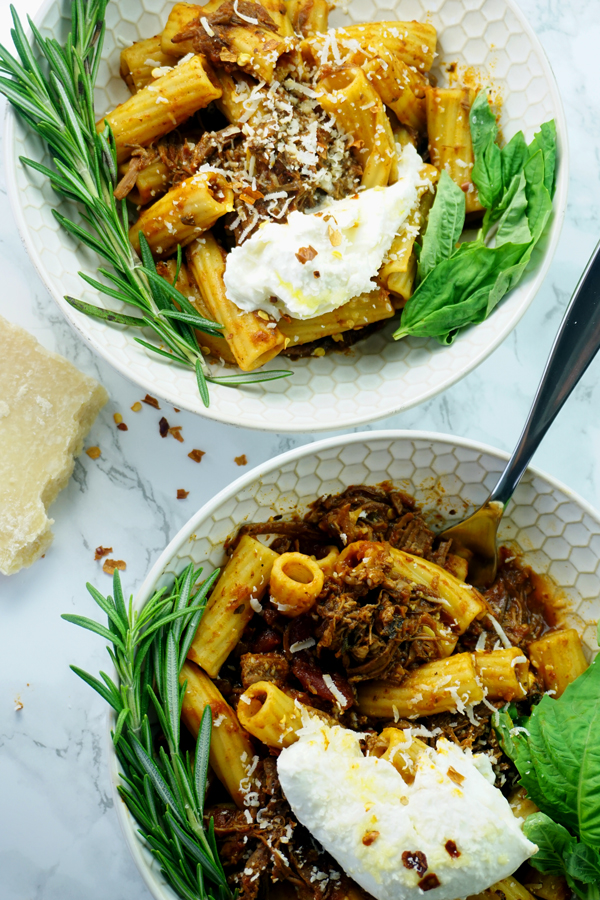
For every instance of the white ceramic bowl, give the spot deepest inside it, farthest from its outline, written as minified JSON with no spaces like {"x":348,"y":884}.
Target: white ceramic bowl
{"x":558,"y":533}
{"x":379,"y":377}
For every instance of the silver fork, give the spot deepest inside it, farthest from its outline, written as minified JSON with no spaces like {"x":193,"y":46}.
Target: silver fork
{"x":575,"y":346}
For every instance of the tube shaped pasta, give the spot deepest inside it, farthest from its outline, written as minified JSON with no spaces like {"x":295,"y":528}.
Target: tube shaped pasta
{"x":211,"y":345}
{"x":399,"y":270}
{"x":251,"y":341}
{"x":521,"y":805}
{"x":180,"y":18}
{"x":400,"y":748}
{"x":161,"y":106}
{"x":461,"y":601}
{"x":558,"y":657}
{"x":296,"y":582}
{"x":139,"y":60}
{"x":188,"y":209}
{"x":507,"y":889}
{"x":444,"y":685}
{"x":254,"y":47}
{"x":413,"y":43}
{"x":358,"y":110}
{"x":150,"y":182}
{"x":503,"y":673}
{"x":229,"y":609}
{"x":308,"y":16}
{"x":231,"y":101}
{"x":449,"y":133}
{"x":400,"y":88}
{"x":327,"y":563}
{"x":272,"y":716}
{"x":359,"y":311}
{"x":230,"y":746}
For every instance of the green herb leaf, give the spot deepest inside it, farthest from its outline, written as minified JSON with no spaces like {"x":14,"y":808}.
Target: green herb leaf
{"x":558,"y":756}
{"x":460,"y":291}
{"x":487,"y":170}
{"x":444,"y":227}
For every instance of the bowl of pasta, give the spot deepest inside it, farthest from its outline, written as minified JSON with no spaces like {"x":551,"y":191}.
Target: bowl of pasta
{"x":357,"y":719}
{"x":318,"y":212}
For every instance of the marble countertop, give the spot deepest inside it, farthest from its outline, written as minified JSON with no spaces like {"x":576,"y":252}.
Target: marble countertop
{"x":60,"y":835}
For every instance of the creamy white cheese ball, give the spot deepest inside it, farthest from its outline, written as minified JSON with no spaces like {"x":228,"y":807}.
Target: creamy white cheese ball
{"x":343,"y":797}
{"x":350,"y":237}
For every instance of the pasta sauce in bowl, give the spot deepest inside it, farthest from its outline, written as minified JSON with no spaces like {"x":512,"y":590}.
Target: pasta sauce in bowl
{"x":374,"y":715}
{"x":316,"y":174}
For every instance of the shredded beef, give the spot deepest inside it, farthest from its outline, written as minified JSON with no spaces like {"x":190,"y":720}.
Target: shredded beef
{"x":265,"y":843}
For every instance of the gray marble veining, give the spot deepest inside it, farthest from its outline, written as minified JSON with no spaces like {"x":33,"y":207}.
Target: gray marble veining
{"x":60,"y":837}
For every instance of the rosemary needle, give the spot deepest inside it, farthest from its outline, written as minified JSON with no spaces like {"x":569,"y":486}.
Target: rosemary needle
{"x":164,"y":789}
{"x":52,"y":87}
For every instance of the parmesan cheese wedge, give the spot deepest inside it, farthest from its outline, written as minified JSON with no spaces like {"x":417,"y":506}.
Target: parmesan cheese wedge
{"x":47,"y":408}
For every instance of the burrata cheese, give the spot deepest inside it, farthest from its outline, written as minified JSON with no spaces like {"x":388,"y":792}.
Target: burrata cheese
{"x":451,"y":833}
{"x":317,"y":261}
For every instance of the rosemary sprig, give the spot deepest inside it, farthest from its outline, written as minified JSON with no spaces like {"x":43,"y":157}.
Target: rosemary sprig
{"x":52,"y":88}
{"x":163,"y":787}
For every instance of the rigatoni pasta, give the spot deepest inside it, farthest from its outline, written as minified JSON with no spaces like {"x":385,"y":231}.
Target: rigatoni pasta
{"x":364,"y":644}
{"x":161,"y":106}
{"x":303,"y":123}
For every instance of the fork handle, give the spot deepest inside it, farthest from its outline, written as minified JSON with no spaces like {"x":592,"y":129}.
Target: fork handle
{"x":575,"y":346}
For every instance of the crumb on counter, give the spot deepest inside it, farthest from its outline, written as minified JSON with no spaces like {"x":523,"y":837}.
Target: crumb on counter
{"x":240,"y":460}
{"x":175,"y":430}
{"x":175,"y":409}
{"x":163,"y":427}
{"x":18,"y":704}
{"x":197,"y":455}
{"x":111,"y":564}
{"x":93,"y":452}
{"x":181,"y":494}
{"x":118,"y":418}
{"x":102,"y":551}
{"x":151,"y":401}
{"x":137,"y":406}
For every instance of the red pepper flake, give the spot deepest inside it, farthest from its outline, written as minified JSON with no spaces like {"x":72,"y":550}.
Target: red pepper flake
{"x":176,"y":432}
{"x":102,"y":551}
{"x":306,"y":254}
{"x":197,"y":455}
{"x":240,"y":460}
{"x":111,"y":564}
{"x":415,"y":859}
{"x":455,"y":776}
{"x":122,"y":426}
{"x":452,"y":849}
{"x":175,"y":409}
{"x":370,"y":837}
{"x":163,"y":427}
{"x":181,"y":494}
{"x":93,"y":452}
{"x":151,"y":401}
{"x":430,"y":882}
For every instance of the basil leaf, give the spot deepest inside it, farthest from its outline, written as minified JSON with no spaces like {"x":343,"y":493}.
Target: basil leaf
{"x":487,"y":170}
{"x":539,"y":201}
{"x":558,"y":757}
{"x":554,"y":842}
{"x":559,"y":853}
{"x":444,"y":226}
{"x":513,"y":225}
{"x":545,"y":140}
{"x":514,"y":157}
{"x":460,"y":291}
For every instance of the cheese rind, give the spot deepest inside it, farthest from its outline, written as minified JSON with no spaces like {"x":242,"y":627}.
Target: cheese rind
{"x":47,"y":408}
